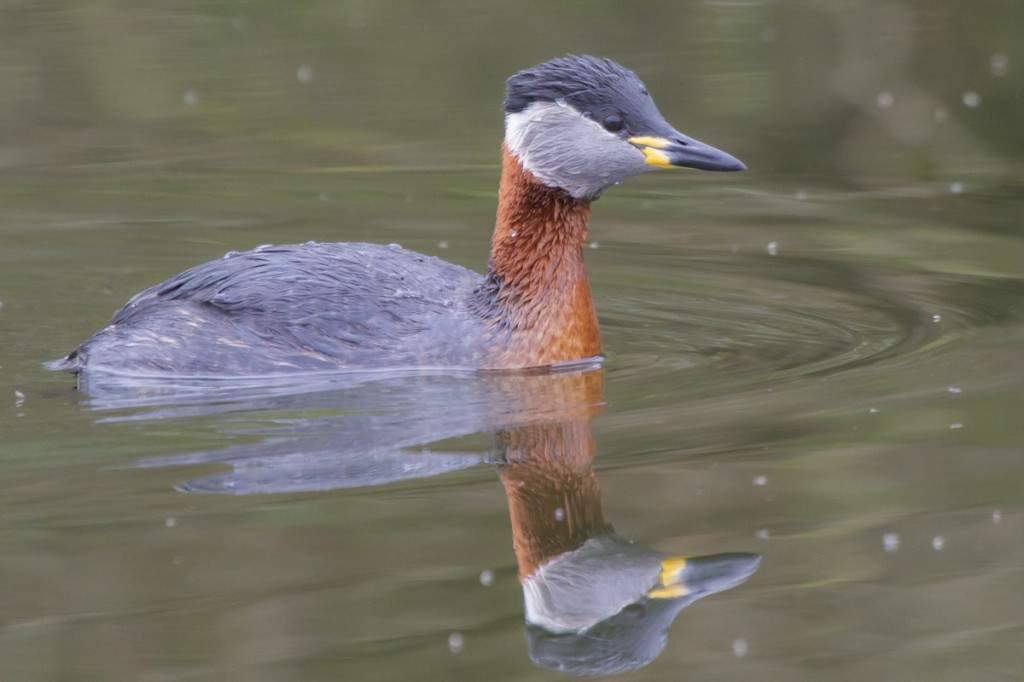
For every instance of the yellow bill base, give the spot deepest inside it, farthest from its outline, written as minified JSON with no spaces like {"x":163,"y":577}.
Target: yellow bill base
{"x":649,"y":141}
{"x":651,"y":147}
{"x":670,"y":579}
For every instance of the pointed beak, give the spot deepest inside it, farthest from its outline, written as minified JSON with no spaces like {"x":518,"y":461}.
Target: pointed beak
{"x":679,"y":150}
{"x":702,"y":575}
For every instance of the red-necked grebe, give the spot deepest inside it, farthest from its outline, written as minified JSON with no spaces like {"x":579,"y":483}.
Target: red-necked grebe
{"x":574,"y":126}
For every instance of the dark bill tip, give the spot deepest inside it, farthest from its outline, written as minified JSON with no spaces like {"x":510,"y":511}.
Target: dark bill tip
{"x":681,"y":151}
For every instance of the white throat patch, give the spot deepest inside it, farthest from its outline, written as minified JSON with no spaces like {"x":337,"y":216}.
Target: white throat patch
{"x":563,"y":148}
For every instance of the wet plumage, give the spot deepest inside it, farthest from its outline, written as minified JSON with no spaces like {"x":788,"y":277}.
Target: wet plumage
{"x":297,"y":308}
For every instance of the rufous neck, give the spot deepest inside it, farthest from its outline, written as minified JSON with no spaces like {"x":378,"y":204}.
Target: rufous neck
{"x":536,"y":281}
{"x":554,"y":499}
{"x":535,"y":223}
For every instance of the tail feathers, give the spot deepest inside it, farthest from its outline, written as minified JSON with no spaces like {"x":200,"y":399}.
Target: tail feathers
{"x":69,"y":363}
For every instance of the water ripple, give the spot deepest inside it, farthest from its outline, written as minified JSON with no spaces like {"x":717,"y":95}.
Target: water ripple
{"x":748,"y":319}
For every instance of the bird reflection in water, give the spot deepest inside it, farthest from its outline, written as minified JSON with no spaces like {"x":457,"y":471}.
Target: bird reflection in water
{"x":594,"y":603}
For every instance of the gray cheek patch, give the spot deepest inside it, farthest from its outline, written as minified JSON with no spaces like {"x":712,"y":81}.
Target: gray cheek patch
{"x":562,"y":148}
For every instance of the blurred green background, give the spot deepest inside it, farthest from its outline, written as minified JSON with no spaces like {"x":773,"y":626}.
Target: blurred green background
{"x":860,"y":92}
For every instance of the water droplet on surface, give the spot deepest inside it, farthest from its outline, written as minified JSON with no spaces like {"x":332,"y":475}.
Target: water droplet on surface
{"x":442,"y":244}
{"x":760,"y":480}
{"x":304,"y":74}
{"x":191,"y":98}
{"x":954,"y":389}
{"x":772,"y":248}
{"x":936,"y":318}
{"x":739,"y":647}
{"x":872,"y":410}
{"x":456,"y":642}
{"x":890,"y":542}
{"x":971,"y":99}
{"x":956,"y":425}
{"x":595,"y":245}
{"x":885,"y":99}
{"x":956,"y":188}
{"x":19,"y":398}
{"x":938,"y":543}
{"x":997,"y":516}
{"x":999,"y":64}
{"x":487,"y":577}
{"x":762,"y":534}
{"x":559,"y":514}
{"x":171,"y":522}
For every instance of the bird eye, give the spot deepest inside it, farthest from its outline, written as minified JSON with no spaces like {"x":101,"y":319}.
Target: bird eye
{"x":612,"y":123}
